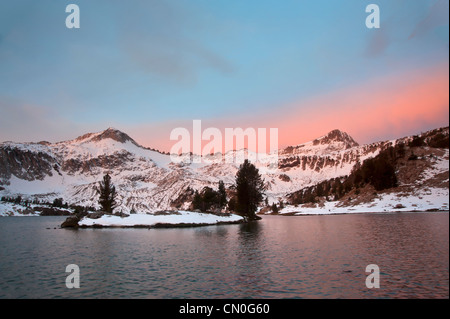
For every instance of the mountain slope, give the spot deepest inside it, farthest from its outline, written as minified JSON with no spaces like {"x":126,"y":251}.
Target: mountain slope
{"x":147,"y":180}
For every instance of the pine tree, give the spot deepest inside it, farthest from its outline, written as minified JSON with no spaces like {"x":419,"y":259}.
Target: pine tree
{"x":274,"y":208}
{"x":222,"y":195}
{"x":197,"y":201}
{"x":57,"y":202}
{"x":107,"y":192}
{"x":232,"y":204}
{"x":319,"y":190}
{"x":250,"y":190}
{"x":210,"y":198}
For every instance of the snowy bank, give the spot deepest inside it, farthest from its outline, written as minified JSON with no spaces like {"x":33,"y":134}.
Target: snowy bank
{"x":179,"y":219}
{"x":13,"y":209}
{"x":434,"y":199}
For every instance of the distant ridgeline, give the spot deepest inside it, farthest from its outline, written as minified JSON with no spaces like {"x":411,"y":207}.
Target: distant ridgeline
{"x":379,"y":172}
{"x":334,"y":167}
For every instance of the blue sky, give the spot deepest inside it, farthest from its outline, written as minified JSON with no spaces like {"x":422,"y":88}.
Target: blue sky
{"x":138,"y":65}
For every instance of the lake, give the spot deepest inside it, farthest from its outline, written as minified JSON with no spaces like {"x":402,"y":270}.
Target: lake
{"x":277,"y":257}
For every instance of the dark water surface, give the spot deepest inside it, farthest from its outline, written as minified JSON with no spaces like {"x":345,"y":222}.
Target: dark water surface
{"x":277,"y":257}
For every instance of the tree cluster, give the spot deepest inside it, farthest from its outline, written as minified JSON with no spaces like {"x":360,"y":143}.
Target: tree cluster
{"x":247,"y":193}
{"x":57,"y":203}
{"x":436,"y":139}
{"x":23,"y":201}
{"x":439,"y":141}
{"x":331,"y":189}
{"x":209,"y":199}
{"x":16,"y":200}
{"x":378,"y":171}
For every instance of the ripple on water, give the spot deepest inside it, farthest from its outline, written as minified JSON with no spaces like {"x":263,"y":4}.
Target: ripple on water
{"x":278,"y":257}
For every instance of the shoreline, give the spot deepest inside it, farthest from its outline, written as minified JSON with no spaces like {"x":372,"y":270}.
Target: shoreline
{"x":296,"y":214}
{"x":161,"y":225}
{"x":180,"y":219}
{"x":278,"y":214}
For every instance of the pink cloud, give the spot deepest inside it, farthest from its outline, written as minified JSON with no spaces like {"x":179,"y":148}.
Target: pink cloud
{"x":387,"y":107}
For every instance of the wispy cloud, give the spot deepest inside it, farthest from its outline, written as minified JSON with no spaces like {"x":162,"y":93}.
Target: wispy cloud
{"x":437,"y":16}
{"x":160,"y":61}
{"x":27,"y":122}
{"x":158,"y":38}
{"x":378,"y":43}
{"x":31,"y":123}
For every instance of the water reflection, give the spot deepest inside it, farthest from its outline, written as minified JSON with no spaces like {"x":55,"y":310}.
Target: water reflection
{"x":251,"y":269}
{"x":277,"y":257}
{"x":250,"y":230}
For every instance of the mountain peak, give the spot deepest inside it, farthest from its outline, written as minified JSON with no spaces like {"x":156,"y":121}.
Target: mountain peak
{"x":335,"y":140}
{"x":336,"y":136}
{"x":113,"y":134}
{"x":109,"y":133}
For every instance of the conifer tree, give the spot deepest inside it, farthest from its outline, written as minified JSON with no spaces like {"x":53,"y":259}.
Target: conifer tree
{"x":197,"y":201}
{"x":274,"y":208}
{"x":222,"y":195}
{"x":107,"y":192}
{"x":249,"y":190}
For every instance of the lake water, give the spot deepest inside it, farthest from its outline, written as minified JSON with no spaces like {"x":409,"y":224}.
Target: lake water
{"x":277,"y":257}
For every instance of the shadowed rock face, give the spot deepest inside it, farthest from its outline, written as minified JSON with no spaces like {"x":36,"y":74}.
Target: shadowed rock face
{"x":113,"y":134}
{"x":110,"y":133}
{"x":85,"y":166}
{"x":24,"y":164}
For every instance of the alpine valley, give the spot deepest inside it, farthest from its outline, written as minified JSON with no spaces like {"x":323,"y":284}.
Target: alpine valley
{"x":325,"y":169}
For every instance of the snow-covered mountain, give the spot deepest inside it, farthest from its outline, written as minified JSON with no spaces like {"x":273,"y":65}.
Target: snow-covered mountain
{"x":147,"y":180}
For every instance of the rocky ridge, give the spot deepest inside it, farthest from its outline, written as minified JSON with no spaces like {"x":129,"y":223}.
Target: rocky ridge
{"x":147,"y":180}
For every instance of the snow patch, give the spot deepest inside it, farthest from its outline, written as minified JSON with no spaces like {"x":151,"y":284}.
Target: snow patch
{"x":183,"y":217}
{"x":432,"y":199}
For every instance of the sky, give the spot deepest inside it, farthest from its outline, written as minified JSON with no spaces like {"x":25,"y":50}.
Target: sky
{"x":305,"y":67}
